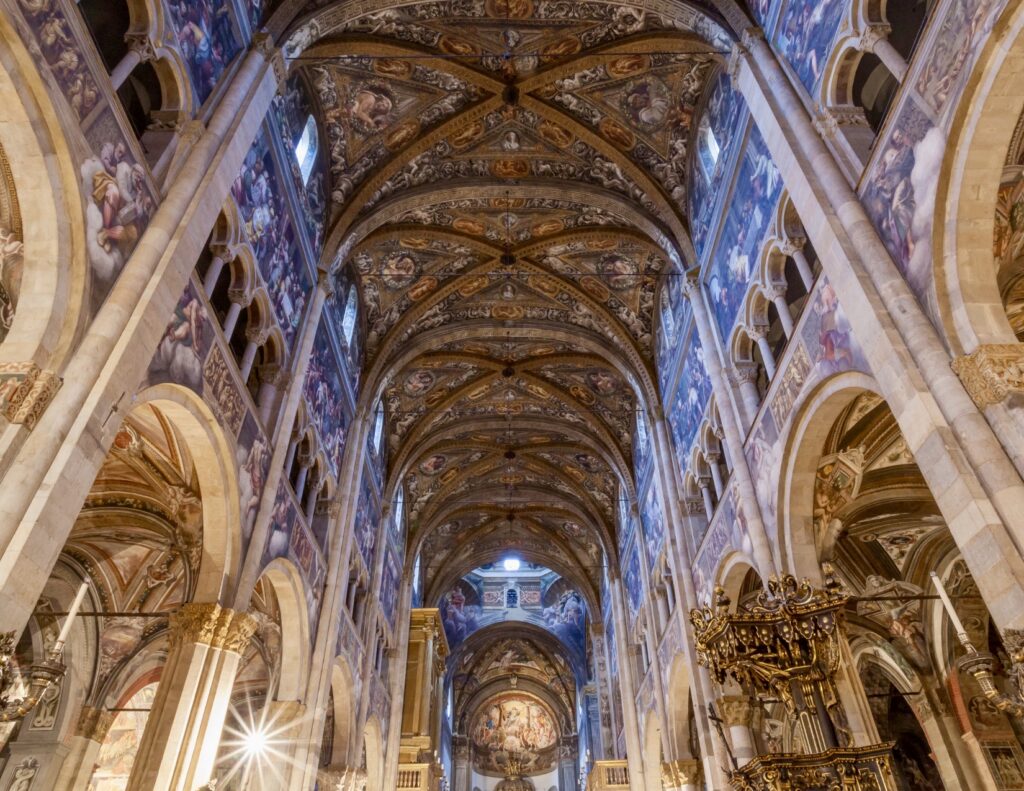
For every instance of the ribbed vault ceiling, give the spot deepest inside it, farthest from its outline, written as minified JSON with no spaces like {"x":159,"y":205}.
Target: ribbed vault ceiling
{"x":508,"y":182}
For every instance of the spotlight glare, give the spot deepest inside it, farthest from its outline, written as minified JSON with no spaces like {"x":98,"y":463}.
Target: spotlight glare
{"x":511,"y":564}
{"x":255,"y":742}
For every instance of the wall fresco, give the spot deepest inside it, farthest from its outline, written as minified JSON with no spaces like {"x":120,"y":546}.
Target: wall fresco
{"x":390,"y":583}
{"x":824,"y":346}
{"x":757,"y":190}
{"x":653,"y":519}
{"x":291,"y":109}
{"x":805,"y":34}
{"x":460,"y":612}
{"x":675,"y":310}
{"x":900,"y":187}
{"x":565,"y":614}
{"x":324,"y":396}
{"x":723,"y":113}
{"x":367,"y":522}
{"x":207,"y":37}
{"x":632,"y":579}
{"x":269,"y":228}
{"x":343,"y":288}
{"x":688,"y":405}
{"x":514,"y":724}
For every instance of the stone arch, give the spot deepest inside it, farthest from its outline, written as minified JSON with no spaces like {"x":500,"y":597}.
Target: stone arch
{"x":652,"y":752}
{"x":799,"y":465}
{"x":214,"y":459}
{"x":43,"y":175}
{"x":970,"y":306}
{"x":343,"y":687}
{"x":286,"y":580}
{"x":678,"y":708}
{"x":373,"y":750}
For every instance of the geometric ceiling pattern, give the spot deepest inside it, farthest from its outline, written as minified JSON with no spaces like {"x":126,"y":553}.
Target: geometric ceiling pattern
{"x":507,"y":180}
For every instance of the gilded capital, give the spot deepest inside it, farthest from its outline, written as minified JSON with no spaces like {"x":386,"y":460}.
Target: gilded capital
{"x":195,"y":623}
{"x":240,"y":630}
{"x":992,"y":372}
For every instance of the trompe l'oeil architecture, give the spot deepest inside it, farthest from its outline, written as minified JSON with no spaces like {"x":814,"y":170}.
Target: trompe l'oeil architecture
{"x":511,"y":395}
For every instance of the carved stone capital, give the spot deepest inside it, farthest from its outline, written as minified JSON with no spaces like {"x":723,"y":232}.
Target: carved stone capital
{"x":872,"y":35}
{"x":743,"y":372}
{"x":25,"y":392}
{"x":94,"y":723}
{"x":195,"y":623}
{"x":190,"y":131}
{"x":694,"y":506}
{"x":242,"y":296}
{"x":691,"y":283}
{"x":991,"y":373}
{"x":276,"y":375}
{"x":736,"y":709}
{"x":792,"y":245}
{"x":325,"y":282}
{"x":264,"y":44}
{"x":241,"y":628}
{"x":675,"y":774}
{"x":257,"y":335}
{"x":142,"y":44}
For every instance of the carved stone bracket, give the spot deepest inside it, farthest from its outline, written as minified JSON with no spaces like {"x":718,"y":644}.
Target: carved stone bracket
{"x":94,"y":723}
{"x":992,"y":372}
{"x":25,"y":392}
{"x":676,"y":774}
{"x":735,"y":709}
{"x":263,"y":43}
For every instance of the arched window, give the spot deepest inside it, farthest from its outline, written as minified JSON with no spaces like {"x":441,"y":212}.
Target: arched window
{"x":708,"y":149}
{"x":348,"y":320}
{"x":511,"y":598}
{"x":378,"y":429}
{"x":668,"y":321}
{"x":399,"y":508}
{"x":306,"y":149}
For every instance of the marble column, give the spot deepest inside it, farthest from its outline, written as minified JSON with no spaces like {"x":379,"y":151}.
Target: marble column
{"x":746,"y":499}
{"x":777,"y":294}
{"x":92,"y":728}
{"x":681,"y":561}
{"x":183,"y":731}
{"x":875,"y":39}
{"x":627,"y":685}
{"x":975,"y":483}
{"x":736,"y":711}
{"x":794,"y":248}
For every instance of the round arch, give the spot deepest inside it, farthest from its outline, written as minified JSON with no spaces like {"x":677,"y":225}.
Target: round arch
{"x":971,"y":310}
{"x":373,"y":747}
{"x":213,"y":456}
{"x":343,"y":686}
{"x":799,"y":466}
{"x":287,"y":583}
{"x":44,"y":177}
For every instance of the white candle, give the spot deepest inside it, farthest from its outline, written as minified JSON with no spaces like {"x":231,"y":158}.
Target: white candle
{"x":948,"y":604}
{"x":76,"y":605}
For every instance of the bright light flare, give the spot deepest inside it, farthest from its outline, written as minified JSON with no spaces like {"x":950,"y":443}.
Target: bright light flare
{"x":257,"y":747}
{"x":511,"y":564}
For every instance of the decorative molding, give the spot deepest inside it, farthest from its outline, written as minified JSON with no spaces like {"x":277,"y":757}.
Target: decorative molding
{"x":683,"y":772}
{"x":263,"y":43}
{"x":736,"y":709}
{"x":94,"y":723}
{"x":992,"y":372}
{"x":25,"y":392}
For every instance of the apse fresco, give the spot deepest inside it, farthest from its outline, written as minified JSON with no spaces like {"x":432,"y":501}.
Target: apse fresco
{"x":517,"y":725}
{"x":291,"y":110}
{"x":735,"y":261}
{"x":207,"y":39}
{"x":724,"y":108}
{"x":367,"y":522}
{"x":460,"y":612}
{"x":804,"y":36}
{"x":653,"y":520}
{"x":324,"y":396}
{"x":689,"y":404}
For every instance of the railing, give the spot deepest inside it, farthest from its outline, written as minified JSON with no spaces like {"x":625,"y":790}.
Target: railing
{"x":608,"y":776}
{"x":420,"y":777}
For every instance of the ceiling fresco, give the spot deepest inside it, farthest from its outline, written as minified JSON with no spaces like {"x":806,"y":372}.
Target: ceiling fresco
{"x":506,"y":179}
